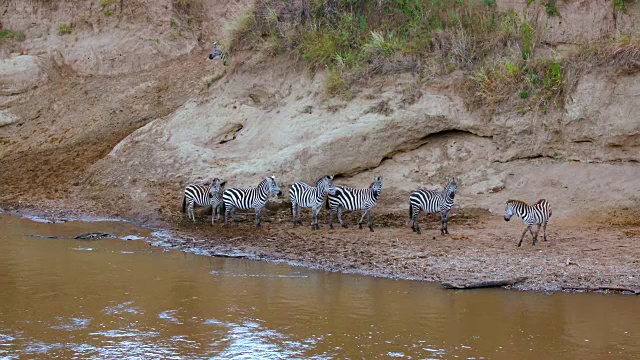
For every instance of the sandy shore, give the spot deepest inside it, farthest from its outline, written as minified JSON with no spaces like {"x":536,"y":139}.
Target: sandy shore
{"x":481,"y":246}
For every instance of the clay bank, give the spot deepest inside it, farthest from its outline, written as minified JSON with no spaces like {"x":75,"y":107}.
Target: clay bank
{"x":110,"y":110}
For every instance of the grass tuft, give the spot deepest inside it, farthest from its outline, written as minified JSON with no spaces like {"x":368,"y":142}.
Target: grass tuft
{"x":14,"y":35}
{"x":65,"y":29}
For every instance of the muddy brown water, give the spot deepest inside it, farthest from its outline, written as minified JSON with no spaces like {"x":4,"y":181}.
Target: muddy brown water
{"x":117,"y":298}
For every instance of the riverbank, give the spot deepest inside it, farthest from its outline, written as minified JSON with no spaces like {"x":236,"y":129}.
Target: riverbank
{"x":580,"y":255}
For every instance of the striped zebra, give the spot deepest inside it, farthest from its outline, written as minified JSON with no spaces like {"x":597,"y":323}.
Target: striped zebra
{"x":238,"y":198}
{"x":216,"y":51}
{"x":203,"y":194}
{"x":536,"y":214}
{"x":355,"y":199}
{"x":431,"y":201}
{"x":304,"y":196}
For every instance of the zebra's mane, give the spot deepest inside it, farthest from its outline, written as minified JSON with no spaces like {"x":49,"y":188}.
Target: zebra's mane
{"x":517,"y":202}
{"x":322,"y":178}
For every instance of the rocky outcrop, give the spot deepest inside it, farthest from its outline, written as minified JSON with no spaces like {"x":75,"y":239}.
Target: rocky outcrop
{"x":19,"y":74}
{"x":268,"y":120}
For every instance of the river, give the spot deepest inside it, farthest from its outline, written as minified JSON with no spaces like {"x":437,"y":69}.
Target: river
{"x":114,"y":298}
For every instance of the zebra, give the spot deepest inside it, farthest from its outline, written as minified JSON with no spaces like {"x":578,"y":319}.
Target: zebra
{"x":303,"y":196}
{"x":431,"y":201}
{"x":536,"y":214}
{"x":240,"y":198}
{"x":355,"y":199}
{"x":203,"y":194}
{"x":216,"y":51}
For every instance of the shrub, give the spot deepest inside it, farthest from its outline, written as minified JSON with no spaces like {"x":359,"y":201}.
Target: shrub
{"x":8,"y":34}
{"x":65,"y":29}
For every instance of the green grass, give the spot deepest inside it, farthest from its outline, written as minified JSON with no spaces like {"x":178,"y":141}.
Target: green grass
{"x":621,"y":5}
{"x":355,"y":39}
{"x":8,"y":34}
{"x":65,"y":29}
{"x":104,"y":3}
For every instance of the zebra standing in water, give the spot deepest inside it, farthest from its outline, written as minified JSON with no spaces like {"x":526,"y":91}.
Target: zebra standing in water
{"x":203,"y":195}
{"x":238,"y":198}
{"x":216,"y":51}
{"x":431,"y":201}
{"x":355,"y":199}
{"x":304,"y":195}
{"x":536,"y":214}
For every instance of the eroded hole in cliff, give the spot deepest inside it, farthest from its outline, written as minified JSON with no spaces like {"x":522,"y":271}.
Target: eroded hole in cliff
{"x":229,"y":133}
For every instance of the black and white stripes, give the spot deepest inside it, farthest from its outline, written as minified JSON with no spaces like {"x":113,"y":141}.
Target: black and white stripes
{"x":242,"y":198}
{"x":355,"y":199}
{"x":216,"y":51}
{"x":341,"y":198}
{"x":431,"y":201}
{"x":304,"y":196}
{"x":203,"y":195}
{"x":536,"y":214}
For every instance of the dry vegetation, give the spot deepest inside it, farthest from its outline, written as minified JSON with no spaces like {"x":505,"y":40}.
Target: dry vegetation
{"x":498,"y":51}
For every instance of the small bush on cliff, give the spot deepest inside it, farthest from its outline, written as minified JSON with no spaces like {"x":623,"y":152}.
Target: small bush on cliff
{"x":356,"y":39}
{"x":65,"y":29}
{"x":14,"y":35}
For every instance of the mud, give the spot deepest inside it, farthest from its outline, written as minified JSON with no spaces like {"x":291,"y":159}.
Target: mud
{"x":482,"y":246}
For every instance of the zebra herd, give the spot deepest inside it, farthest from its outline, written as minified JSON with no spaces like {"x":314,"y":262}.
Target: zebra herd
{"x":340,"y":198}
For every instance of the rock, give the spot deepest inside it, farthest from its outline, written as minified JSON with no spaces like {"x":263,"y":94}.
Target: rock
{"x":7,"y":118}
{"x":94,"y":236}
{"x":19,"y":74}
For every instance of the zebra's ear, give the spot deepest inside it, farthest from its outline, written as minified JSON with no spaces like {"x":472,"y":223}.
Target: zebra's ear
{"x":330,"y":177}
{"x":222,"y":184}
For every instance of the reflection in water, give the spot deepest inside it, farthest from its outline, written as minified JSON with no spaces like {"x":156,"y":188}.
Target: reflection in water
{"x":125,"y":299}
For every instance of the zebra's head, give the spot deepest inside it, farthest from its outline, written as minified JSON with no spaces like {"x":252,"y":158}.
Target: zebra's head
{"x":215,"y":187}
{"x":273,"y":186}
{"x":508,"y":212}
{"x":376,"y":185}
{"x":326,"y":183}
{"x":452,"y":187}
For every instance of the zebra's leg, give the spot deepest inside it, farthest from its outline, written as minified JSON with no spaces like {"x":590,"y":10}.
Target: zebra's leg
{"x":369,"y":220}
{"x":299,"y":214}
{"x":227,"y":210}
{"x":340,"y":217}
{"x":258,"y":211}
{"x":293,"y":212}
{"x":314,"y":217}
{"x":535,"y":237}
{"x":445,"y":219}
{"x":213,"y":213}
{"x":364,"y":213}
{"x":331,"y":214}
{"x":523,"y":234}
{"x":414,"y":221}
{"x":544,"y":230}
{"x":191,"y":211}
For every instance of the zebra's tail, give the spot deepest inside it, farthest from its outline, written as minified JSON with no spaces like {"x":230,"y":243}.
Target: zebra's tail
{"x":184,"y":204}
